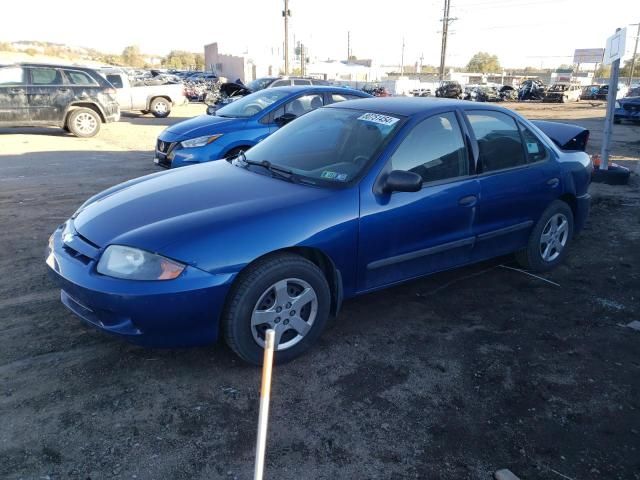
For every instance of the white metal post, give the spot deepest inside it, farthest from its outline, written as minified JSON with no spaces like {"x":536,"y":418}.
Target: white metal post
{"x":265,"y":395}
{"x":608,"y":122}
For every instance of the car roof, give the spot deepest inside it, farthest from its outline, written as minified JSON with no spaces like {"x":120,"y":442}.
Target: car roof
{"x":408,"y":106}
{"x":56,"y":65}
{"x":319,"y":88}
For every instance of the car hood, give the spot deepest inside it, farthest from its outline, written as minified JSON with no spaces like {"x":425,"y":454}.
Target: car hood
{"x":199,"y":126}
{"x":167,"y":213}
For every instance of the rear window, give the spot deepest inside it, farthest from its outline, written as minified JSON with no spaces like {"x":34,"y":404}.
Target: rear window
{"x":45,"y":76}
{"x":79,"y":78}
{"x":115,"y":80}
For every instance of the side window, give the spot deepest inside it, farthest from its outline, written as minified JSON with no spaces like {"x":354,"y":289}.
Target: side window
{"x":536,"y":151}
{"x":341,"y":97}
{"x":115,"y":80}
{"x":281,"y":83}
{"x":11,"y":76}
{"x":45,"y":76}
{"x":498,"y":140}
{"x":303,"y":104}
{"x":299,"y":81}
{"x":434,"y":149}
{"x":79,"y":78}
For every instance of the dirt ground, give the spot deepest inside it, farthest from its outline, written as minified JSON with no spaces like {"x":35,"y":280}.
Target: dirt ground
{"x":450,"y":377}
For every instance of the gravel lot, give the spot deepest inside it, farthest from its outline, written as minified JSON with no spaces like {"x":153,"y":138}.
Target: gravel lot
{"x":449,"y":377}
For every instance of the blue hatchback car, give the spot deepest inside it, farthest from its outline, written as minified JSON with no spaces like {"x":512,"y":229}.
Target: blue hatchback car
{"x":348,"y":199}
{"x":242,"y":124}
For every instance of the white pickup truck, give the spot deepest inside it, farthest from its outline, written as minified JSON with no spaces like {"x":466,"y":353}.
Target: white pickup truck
{"x":157,"y":99}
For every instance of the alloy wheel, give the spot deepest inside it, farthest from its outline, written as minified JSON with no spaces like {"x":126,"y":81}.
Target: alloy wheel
{"x":289,"y":307}
{"x":554,"y":237}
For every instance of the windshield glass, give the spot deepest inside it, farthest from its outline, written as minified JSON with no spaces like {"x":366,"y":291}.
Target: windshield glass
{"x":251,"y":104}
{"x":328,"y":145}
{"x":259,"y":84}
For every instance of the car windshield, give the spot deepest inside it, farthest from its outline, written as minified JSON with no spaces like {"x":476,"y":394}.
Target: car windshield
{"x":330,"y":146}
{"x":259,"y":84}
{"x":252,"y":104}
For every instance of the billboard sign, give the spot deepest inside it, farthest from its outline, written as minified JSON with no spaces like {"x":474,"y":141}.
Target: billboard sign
{"x":588,"y":55}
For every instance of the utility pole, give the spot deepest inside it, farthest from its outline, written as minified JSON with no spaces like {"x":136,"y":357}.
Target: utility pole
{"x":402,"y":59}
{"x":348,"y":46}
{"x":635,"y":52}
{"x":302,"y":59}
{"x":286,"y":13}
{"x":446,"y":20}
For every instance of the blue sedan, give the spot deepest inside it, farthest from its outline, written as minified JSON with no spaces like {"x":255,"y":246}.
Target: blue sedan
{"x":242,"y":124}
{"x":348,"y":199}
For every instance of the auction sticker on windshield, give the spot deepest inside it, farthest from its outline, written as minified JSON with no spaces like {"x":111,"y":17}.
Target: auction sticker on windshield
{"x":378,"y":118}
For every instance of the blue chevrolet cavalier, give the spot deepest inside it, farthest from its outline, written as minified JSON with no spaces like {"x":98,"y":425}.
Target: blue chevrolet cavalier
{"x":242,"y":124}
{"x":348,"y":199}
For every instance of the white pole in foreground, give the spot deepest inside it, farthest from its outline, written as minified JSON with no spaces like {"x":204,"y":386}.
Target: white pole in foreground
{"x":265,"y":395}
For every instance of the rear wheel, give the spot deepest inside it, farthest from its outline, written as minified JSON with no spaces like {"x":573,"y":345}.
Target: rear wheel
{"x":286,"y":293}
{"x":83,"y":122}
{"x":549,"y":239}
{"x":160,"y":107}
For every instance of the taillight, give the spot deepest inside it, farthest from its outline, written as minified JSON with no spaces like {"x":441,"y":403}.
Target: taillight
{"x":110,"y":91}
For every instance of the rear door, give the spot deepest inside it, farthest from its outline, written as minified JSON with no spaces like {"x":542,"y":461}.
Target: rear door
{"x":47,"y":95}
{"x":82,"y":87}
{"x":13,"y":96}
{"x":519,"y":178}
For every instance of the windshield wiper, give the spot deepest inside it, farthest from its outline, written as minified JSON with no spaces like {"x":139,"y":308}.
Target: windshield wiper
{"x":276,"y":171}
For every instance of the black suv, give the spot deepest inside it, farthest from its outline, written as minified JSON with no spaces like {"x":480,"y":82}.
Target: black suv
{"x":74,"y":98}
{"x":449,"y":89}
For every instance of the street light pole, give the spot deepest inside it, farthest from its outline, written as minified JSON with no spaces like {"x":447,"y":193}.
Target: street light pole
{"x":286,"y":13}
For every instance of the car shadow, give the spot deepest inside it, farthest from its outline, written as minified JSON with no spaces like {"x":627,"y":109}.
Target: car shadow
{"x":178,"y":114}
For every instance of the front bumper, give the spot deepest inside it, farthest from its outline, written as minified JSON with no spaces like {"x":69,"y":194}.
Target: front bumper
{"x":173,"y":313}
{"x":171,"y":154}
{"x":631,"y":113}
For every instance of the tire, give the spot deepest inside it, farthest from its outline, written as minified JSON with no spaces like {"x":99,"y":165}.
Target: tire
{"x":617,"y":121}
{"x":563,"y":99}
{"x":233,"y":153}
{"x":160,"y":107}
{"x":253,"y":298}
{"x":541,"y":256}
{"x":84,"y":123}
{"x":144,"y":112}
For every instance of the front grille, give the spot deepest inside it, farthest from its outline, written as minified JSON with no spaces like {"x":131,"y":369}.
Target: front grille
{"x":77,"y":255}
{"x":163,"y":147}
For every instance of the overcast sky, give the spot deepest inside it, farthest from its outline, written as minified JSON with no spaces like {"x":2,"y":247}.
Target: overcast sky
{"x":520,"y":32}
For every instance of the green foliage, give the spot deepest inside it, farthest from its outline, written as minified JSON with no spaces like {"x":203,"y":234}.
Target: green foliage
{"x":484,"y":62}
{"x":603,"y":71}
{"x":180,"y":60}
{"x":132,"y":57}
{"x":625,"y":71}
{"x":31,"y":51}
{"x":6,"y":47}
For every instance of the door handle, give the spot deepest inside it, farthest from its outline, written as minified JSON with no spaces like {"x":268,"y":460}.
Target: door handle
{"x":468,"y":201}
{"x":64,"y":90}
{"x":553,"y":182}
{"x":16,"y":90}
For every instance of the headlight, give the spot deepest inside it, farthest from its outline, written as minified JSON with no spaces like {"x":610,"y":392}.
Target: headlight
{"x":133,"y":264}
{"x":617,"y":105}
{"x":199,"y":141}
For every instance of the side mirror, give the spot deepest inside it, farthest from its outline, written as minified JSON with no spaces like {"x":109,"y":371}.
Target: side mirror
{"x":402,"y":181}
{"x":284,"y":119}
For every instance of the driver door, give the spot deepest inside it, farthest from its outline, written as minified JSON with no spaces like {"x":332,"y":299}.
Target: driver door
{"x":409,"y":234}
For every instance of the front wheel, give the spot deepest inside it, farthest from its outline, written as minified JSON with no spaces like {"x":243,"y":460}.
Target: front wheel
{"x":549,"y":239}
{"x":286,"y":293}
{"x":160,"y":107}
